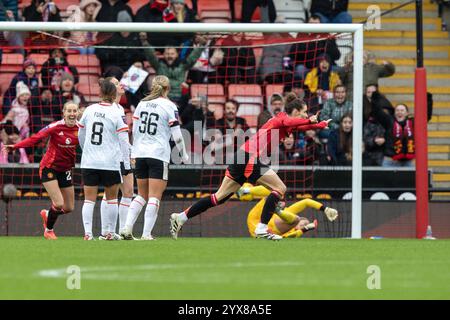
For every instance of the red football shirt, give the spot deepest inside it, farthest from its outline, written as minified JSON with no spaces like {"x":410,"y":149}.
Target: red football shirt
{"x":262,"y":140}
{"x":61,"y":150}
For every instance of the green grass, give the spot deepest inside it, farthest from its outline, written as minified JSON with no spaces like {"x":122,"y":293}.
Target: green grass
{"x":224,"y":268}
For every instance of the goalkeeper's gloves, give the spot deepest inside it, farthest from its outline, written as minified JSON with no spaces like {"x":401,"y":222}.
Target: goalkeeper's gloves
{"x":331,"y":213}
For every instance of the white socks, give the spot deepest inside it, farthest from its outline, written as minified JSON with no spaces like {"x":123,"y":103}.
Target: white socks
{"x":133,"y":212}
{"x":123,"y":212}
{"x":151,"y":213}
{"x":183,"y":217}
{"x":112,"y":212}
{"x":88,"y":213}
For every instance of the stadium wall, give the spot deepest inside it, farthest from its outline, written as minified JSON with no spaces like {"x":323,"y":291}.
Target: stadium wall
{"x":394,"y":219}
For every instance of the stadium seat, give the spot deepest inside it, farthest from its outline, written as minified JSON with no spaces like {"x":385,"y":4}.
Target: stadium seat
{"x":5,"y":80}
{"x":31,"y":194}
{"x":83,"y":60}
{"x":252,"y":120}
{"x":91,"y":93}
{"x":12,"y":59}
{"x":210,"y":16}
{"x":39,"y":58}
{"x":244,"y":90}
{"x":212,"y":5}
{"x":206,"y":90}
{"x":249,"y":99}
{"x":90,"y":79}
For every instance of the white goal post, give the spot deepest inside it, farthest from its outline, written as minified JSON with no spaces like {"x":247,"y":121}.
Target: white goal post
{"x":355,"y":29}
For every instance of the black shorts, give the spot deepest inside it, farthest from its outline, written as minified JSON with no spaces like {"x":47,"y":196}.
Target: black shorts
{"x":64,"y":177}
{"x":124,"y":171}
{"x":246,"y":168}
{"x":106,"y":178}
{"x":148,"y":168}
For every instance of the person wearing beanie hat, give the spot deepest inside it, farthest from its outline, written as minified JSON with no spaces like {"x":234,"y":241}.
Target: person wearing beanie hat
{"x":19,"y":114}
{"x":124,"y":16}
{"x":86,"y":11}
{"x":27,"y":76}
{"x":276,"y":105}
{"x":56,"y":63}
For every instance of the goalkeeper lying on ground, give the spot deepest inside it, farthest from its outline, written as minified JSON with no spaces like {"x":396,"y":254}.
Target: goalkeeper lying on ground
{"x":286,"y":221}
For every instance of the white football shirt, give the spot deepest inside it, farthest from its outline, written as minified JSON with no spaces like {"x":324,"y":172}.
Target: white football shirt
{"x":151,"y":129}
{"x":101,"y":150}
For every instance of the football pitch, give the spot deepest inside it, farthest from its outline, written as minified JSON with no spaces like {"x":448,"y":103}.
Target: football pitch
{"x":224,"y":268}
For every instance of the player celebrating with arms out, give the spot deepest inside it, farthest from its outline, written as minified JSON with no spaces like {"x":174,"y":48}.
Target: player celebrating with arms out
{"x":155,"y":121}
{"x":56,"y":166}
{"x":287,"y":222}
{"x":102,"y":132}
{"x":253,"y":170}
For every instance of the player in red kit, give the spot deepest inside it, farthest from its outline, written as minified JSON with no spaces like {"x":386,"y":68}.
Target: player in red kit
{"x":248,"y":167}
{"x":56,"y":166}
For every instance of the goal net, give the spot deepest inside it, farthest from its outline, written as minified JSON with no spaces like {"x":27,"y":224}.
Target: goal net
{"x":227,"y":80}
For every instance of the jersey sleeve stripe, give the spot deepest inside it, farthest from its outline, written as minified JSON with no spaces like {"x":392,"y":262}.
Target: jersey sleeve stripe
{"x":122,"y":129}
{"x":174,"y":123}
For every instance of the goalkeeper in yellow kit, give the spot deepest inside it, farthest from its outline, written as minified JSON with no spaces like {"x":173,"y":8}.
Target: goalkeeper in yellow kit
{"x":286,"y":221}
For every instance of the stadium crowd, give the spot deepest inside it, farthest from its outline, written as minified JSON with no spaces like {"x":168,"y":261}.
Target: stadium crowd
{"x":307,"y":65}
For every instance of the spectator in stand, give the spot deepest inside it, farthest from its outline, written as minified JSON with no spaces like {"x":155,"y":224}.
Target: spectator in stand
{"x":111,"y":8}
{"x":267,"y":10}
{"x":340,"y":143}
{"x":335,"y":109}
{"x":122,"y":58}
{"x":179,"y":12}
{"x":19,"y":113}
{"x":86,"y":11}
{"x":239,"y":63}
{"x":9,"y":134}
{"x":174,"y":68}
{"x":66,"y":91}
{"x":376,"y":105}
{"x":153,"y":12}
{"x":289,"y":154}
{"x":197,"y":110}
{"x":311,"y":149}
{"x":232,"y":128}
{"x":303,"y":54}
{"x":44,"y":109}
{"x":27,"y":76}
{"x":276,"y":105}
{"x":206,"y":64}
{"x":374,"y":143}
{"x":9,"y":11}
{"x":401,"y":152}
{"x":42,"y":10}
{"x":331,"y":11}
{"x":274,"y":66}
{"x":321,"y":80}
{"x":372,"y":72}
{"x":56,"y":64}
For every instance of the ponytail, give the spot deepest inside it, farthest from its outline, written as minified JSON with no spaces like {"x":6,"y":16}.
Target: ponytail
{"x":160,"y":86}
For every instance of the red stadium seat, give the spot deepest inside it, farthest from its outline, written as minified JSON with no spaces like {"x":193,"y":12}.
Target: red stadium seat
{"x":249,"y":99}
{"x":83,"y":60}
{"x":90,"y":79}
{"x":217,"y":109}
{"x":215,"y":16}
{"x":252,"y":120}
{"x":249,"y":109}
{"x":212,"y":5}
{"x":206,"y":90}
{"x":91,"y":93}
{"x":39,"y":58}
{"x":5,"y":80}
{"x":244,"y":90}
{"x":12,"y":59}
